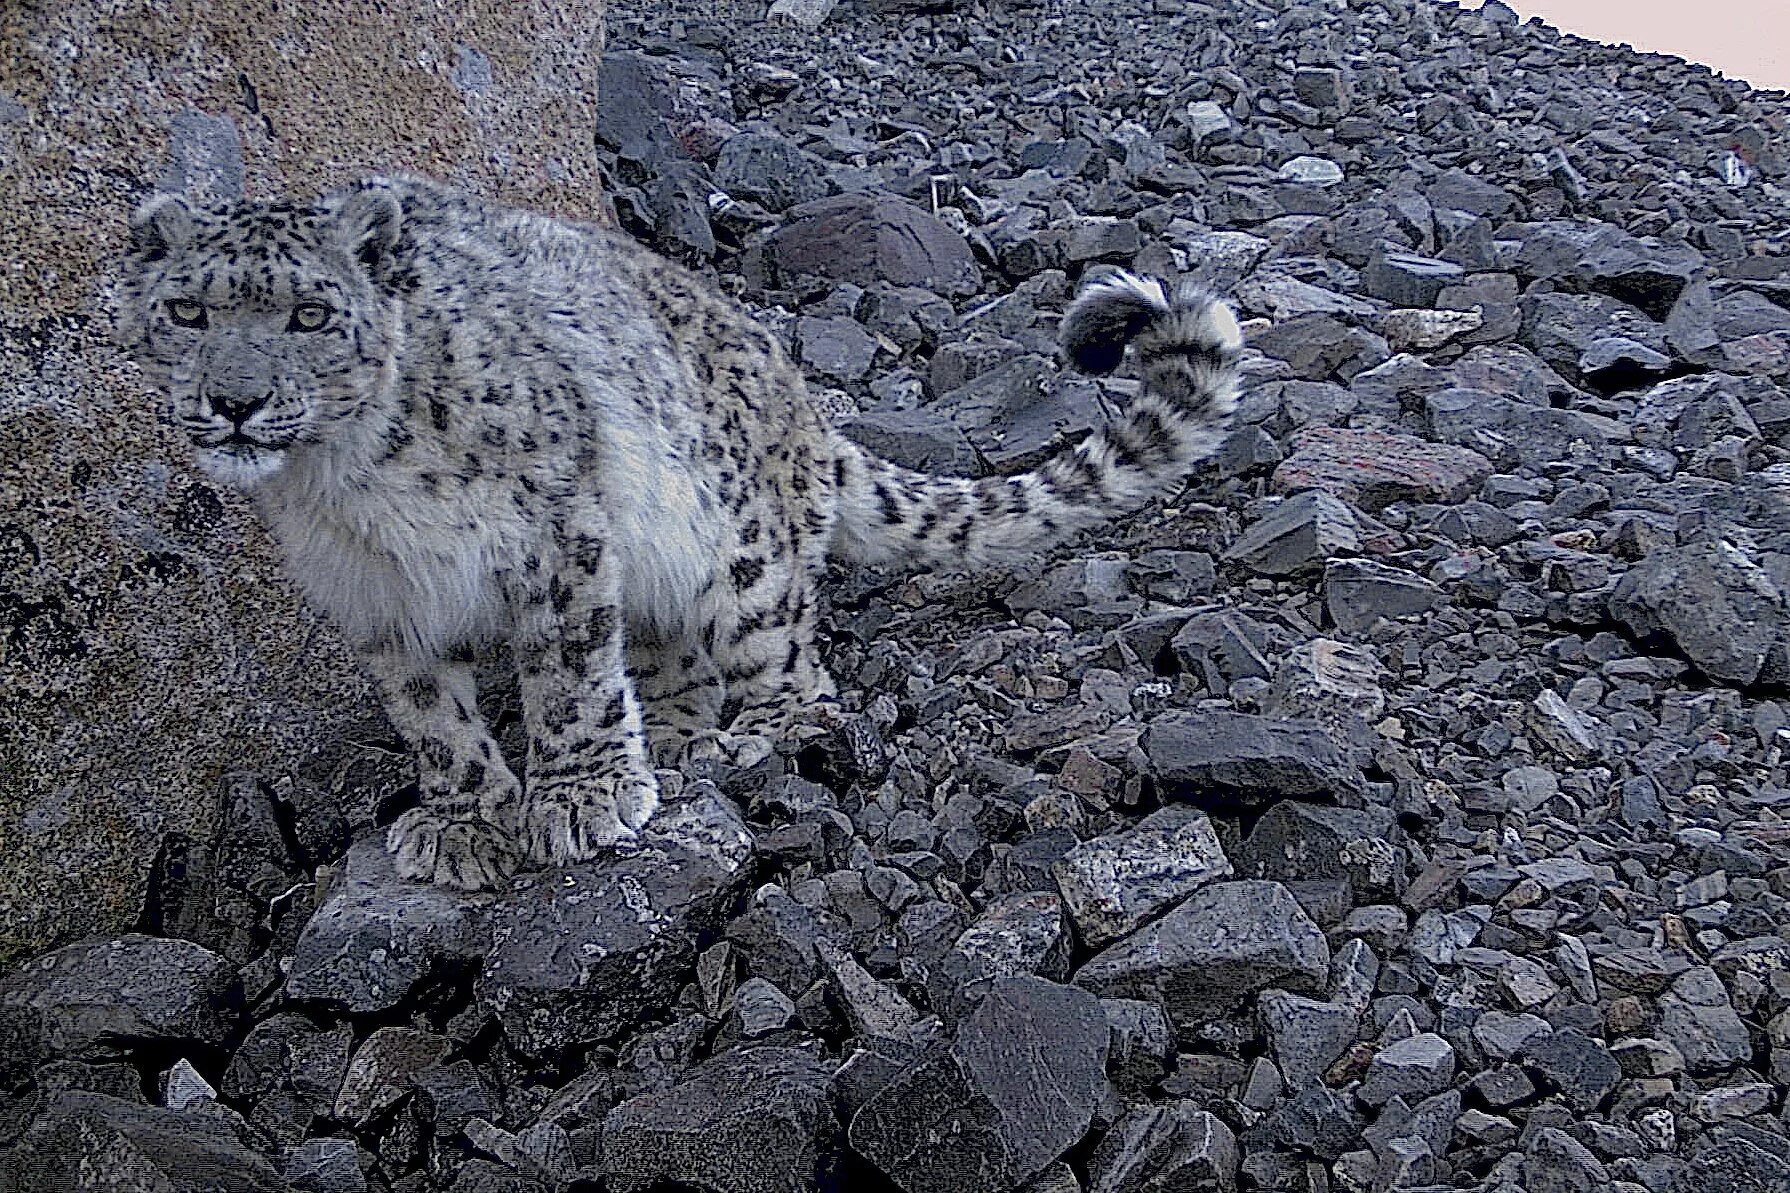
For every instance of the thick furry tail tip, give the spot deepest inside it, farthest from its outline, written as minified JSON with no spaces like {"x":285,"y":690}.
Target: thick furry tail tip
{"x":1115,"y":309}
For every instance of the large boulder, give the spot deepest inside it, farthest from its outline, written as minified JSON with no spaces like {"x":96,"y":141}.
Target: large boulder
{"x":150,"y":642}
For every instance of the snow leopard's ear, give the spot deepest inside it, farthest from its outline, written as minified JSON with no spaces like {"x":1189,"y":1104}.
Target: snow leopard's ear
{"x":160,"y":225}
{"x":364,"y":220}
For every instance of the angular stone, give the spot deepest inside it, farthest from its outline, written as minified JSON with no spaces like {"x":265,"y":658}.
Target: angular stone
{"x":1018,"y":1088}
{"x":90,"y":1141}
{"x":1305,"y":1036}
{"x":867,"y":238}
{"x":756,"y":1120}
{"x":325,"y":1166}
{"x":919,"y":439}
{"x":1697,"y":1018}
{"x":1711,"y":601}
{"x":1296,"y":842}
{"x":581,"y":953}
{"x":96,"y":1000}
{"x":1223,"y":759}
{"x":1412,"y":1068}
{"x":768,"y":170}
{"x":1737,"y":1158}
{"x":382,"y":1070}
{"x":1408,"y":280}
{"x":1018,"y":935}
{"x":1579,"y":1067}
{"x":1360,"y":592}
{"x":376,"y":935}
{"x":1211,"y":952}
{"x":1175,"y":1146}
{"x":837,"y":347}
{"x":1113,"y":883}
{"x":1373,"y":469}
{"x":1557,"y":1163}
{"x":1299,"y":535}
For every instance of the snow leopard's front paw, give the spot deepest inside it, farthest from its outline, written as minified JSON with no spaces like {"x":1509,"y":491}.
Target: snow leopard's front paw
{"x":468,"y":855}
{"x":577,"y":819}
{"x":743,"y":750}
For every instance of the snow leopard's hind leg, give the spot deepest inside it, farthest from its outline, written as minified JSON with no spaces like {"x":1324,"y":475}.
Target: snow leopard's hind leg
{"x":681,"y":691}
{"x":777,"y":688}
{"x":462,"y":834}
{"x":589,"y":781}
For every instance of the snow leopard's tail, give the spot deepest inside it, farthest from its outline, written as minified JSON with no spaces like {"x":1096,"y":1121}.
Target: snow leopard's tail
{"x":1187,"y":345}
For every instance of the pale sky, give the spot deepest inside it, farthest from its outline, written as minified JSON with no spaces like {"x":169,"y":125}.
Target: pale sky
{"x":1744,"y":39}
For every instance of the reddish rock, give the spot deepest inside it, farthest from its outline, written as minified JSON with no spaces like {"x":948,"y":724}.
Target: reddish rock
{"x":1373,"y":469}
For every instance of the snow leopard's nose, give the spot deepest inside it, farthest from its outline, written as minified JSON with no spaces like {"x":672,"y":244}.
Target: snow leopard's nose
{"x":236,"y":406}
{"x":238,"y":379}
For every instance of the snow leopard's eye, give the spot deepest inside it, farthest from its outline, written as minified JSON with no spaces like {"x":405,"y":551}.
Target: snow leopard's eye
{"x":186,"y":312}
{"x":308,"y":316}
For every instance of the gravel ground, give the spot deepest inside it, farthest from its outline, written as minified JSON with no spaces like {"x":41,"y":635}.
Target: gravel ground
{"x":1400,"y":806}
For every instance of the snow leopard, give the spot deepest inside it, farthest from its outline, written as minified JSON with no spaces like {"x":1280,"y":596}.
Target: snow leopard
{"x":467,"y":423}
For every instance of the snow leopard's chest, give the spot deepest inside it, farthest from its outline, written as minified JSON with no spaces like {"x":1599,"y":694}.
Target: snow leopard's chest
{"x":423,"y":573}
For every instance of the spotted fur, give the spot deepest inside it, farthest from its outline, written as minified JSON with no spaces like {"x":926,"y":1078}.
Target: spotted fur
{"x":466,"y":423}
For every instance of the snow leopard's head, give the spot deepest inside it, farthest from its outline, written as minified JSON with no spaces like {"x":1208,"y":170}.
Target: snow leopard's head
{"x":264,"y":323}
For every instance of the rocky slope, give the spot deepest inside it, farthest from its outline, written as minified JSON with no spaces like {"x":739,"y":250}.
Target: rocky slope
{"x":1399,"y":807}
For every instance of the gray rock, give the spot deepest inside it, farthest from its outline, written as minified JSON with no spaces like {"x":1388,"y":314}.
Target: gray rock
{"x":1175,"y":1146}
{"x":1737,"y":1159}
{"x":1408,"y":280}
{"x":919,"y":439}
{"x":762,"y":1008}
{"x":1019,"y":413}
{"x":1373,"y":469}
{"x":96,"y":1000}
{"x":1295,"y":842}
{"x":1018,"y":1088}
{"x":836,"y":347}
{"x":376,"y":935}
{"x":1698,"y":1019}
{"x":1022,"y":934}
{"x":1142,"y":1047}
{"x":383,"y":1070}
{"x":770,"y":171}
{"x":867,"y":238}
{"x":1223,"y":759}
{"x":1317,"y":1120}
{"x":752,"y":1120}
{"x":1580,"y":1068}
{"x":1113,"y":883}
{"x":1298,"y":536}
{"x":82,"y":1138}
{"x":1412,"y":1068}
{"x":1557,"y":1163}
{"x":289,"y":1052}
{"x":1305,"y":1036}
{"x":1712,"y":602}
{"x":581,"y":953}
{"x":325,"y":1166}
{"x":183,"y":1088}
{"x":1211,"y":952}
{"x":1360,"y":592}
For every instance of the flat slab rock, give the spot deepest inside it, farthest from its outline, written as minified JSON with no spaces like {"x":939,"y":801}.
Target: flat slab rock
{"x":1224,"y":760}
{"x":753,"y":1120}
{"x":93,"y":999}
{"x":1374,"y":469}
{"x":1210,"y":953}
{"x":1115,"y":882}
{"x":80,"y":1135}
{"x":578,"y":954}
{"x":1017,"y":1088}
{"x":567,"y":956}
